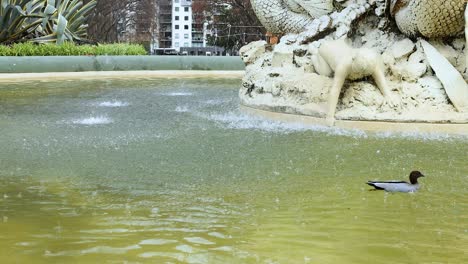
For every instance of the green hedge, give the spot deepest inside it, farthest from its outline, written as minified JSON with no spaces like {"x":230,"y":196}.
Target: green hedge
{"x":71,"y":49}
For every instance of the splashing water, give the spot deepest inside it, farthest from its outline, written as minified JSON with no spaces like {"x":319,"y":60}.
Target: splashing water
{"x":113,"y":104}
{"x":97,"y":120}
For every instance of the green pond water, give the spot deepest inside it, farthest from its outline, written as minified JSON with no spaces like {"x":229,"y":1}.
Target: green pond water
{"x":173,"y":171}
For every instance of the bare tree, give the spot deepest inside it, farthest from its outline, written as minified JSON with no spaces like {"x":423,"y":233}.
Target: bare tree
{"x":123,"y":20}
{"x":235,"y":23}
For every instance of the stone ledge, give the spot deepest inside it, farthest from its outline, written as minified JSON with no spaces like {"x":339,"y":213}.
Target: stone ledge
{"x":18,"y":77}
{"x":36,"y":64}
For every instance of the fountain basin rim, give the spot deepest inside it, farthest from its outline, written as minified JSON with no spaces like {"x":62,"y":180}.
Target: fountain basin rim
{"x":17,"y":77}
{"x":456,"y":129}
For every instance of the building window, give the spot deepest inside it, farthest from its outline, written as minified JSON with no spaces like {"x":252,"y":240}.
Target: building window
{"x":185,"y":36}
{"x":176,"y":1}
{"x":177,"y":18}
{"x":177,"y":35}
{"x":186,"y":18}
{"x":186,"y":9}
{"x":177,"y":27}
{"x":176,"y":9}
{"x":185,"y":26}
{"x":176,"y":44}
{"x":186,"y":44}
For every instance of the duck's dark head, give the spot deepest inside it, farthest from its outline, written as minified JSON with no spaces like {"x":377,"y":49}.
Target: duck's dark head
{"x":414,"y":175}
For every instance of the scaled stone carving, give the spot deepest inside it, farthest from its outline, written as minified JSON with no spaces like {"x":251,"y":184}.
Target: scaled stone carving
{"x":382,"y":72}
{"x":429,"y":18}
{"x":286,"y":16}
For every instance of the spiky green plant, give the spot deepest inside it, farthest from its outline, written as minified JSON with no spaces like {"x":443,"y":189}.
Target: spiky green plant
{"x":19,"y":19}
{"x":64,"y":20}
{"x":51,"y":21}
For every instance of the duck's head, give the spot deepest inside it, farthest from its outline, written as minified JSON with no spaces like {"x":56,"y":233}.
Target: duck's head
{"x":414,"y":175}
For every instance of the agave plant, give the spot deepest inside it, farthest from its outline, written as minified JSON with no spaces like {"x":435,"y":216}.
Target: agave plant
{"x":43,"y":21}
{"x":19,"y":19}
{"x":64,"y":20}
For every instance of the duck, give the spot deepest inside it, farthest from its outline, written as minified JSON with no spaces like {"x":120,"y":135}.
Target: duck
{"x":399,"y":186}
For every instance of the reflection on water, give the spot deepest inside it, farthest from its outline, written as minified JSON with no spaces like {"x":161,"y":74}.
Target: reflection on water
{"x":171,"y":171}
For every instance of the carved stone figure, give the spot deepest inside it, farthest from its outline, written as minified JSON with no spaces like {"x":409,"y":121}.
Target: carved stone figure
{"x":349,"y":63}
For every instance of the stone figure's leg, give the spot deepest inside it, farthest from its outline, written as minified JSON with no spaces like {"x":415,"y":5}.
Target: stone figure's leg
{"x":379,"y":78}
{"x":341,"y":72}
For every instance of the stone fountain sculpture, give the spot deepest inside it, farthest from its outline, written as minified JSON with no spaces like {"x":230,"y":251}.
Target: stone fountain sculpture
{"x":414,"y":50}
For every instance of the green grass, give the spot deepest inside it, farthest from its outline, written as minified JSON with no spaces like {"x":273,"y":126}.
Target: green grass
{"x":71,"y":49}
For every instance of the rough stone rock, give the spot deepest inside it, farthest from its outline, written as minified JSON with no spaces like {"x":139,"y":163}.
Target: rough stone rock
{"x":454,"y":84}
{"x":418,"y":56}
{"x":447,"y":51}
{"x":402,"y":48}
{"x":433,"y":90}
{"x":252,"y":51}
{"x":409,"y":71}
{"x":362,"y":93}
{"x":282,"y":55}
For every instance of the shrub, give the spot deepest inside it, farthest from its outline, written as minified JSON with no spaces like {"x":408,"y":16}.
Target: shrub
{"x":71,"y":49}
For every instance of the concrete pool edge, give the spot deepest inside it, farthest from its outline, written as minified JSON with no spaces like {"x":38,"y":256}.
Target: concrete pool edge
{"x":369,"y":126}
{"x":36,"y":64}
{"x":17,"y":77}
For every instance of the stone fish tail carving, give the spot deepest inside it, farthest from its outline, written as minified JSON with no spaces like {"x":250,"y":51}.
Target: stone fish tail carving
{"x":429,"y":18}
{"x":289,"y":16}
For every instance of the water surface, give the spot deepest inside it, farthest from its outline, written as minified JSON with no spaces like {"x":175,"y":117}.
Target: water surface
{"x":172,"y":171}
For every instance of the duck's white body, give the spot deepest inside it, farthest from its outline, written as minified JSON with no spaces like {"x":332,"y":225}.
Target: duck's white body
{"x":399,"y":186}
{"x":395,"y":186}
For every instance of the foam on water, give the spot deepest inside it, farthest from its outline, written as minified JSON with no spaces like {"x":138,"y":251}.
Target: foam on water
{"x":95,"y":120}
{"x":178,"y":94}
{"x":236,"y":120}
{"x":113,"y":104}
{"x":182,"y":109}
{"x":421,"y":136}
{"x":217,"y":101}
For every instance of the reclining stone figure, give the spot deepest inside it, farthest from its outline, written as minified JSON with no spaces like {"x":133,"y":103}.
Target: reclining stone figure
{"x":350,"y":63}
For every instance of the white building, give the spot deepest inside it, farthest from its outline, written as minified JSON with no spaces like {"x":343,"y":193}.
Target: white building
{"x":181,"y":24}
